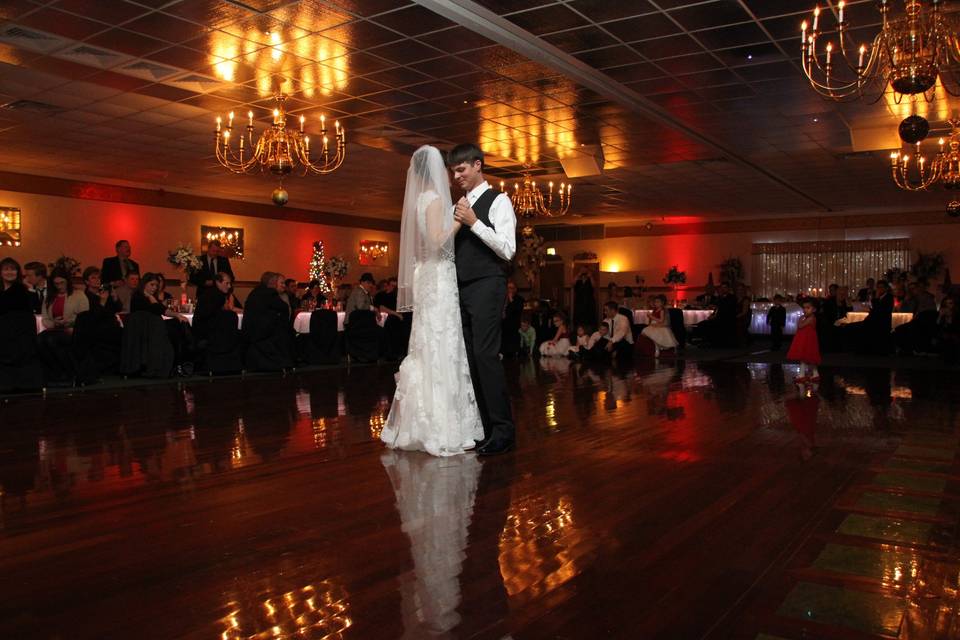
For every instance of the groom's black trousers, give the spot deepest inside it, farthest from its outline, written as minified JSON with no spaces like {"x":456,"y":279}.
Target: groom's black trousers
{"x":481,"y":308}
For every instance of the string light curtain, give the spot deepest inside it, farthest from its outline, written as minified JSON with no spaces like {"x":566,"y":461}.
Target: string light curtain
{"x":810,"y":267}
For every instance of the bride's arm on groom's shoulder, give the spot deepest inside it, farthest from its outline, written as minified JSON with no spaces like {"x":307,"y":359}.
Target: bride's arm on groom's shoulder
{"x":502,"y":240}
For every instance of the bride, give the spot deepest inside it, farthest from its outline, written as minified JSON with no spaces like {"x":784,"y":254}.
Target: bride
{"x":434,"y":408}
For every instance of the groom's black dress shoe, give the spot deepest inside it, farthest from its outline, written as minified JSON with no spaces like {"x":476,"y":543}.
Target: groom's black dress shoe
{"x":496,"y":447}
{"x":481,"y":444}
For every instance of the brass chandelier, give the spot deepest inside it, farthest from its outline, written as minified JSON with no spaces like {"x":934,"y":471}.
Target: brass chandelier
{"x":943,"y":168}
{"x":909,"y":54}
{"x":279,"y":150}
{"x":529,"y":201}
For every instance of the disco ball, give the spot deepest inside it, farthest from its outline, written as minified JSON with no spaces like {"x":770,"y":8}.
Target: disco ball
{"x":914,"y":129}
{"x":280,"y":196}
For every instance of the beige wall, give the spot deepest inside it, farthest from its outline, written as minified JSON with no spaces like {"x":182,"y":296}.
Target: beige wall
{"x":651,"y":256}
{"x":87,"y":231}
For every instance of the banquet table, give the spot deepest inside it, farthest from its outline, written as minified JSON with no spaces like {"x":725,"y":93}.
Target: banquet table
{"x":690,"y":316}
{"x":758,"y":323}
{"x":301,"y":323}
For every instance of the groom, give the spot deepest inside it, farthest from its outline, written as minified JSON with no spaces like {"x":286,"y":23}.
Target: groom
{"x":484,"y":246}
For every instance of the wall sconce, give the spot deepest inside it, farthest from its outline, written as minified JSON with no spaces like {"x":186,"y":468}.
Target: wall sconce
{"x":231,"y":240}
{"x":9,"y":227}
{"x":373,"y":250}
{"x":551,"y":251}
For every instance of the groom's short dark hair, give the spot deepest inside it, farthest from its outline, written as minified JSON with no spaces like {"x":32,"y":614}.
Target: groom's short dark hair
{"x":466,"y":152}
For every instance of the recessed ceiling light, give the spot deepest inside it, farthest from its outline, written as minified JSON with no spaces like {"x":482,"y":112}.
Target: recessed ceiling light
{"x":816,"y":119}
{"x":749,"y":56}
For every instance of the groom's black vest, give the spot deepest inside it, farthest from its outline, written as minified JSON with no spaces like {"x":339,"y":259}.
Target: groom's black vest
{"x":474,"y":258}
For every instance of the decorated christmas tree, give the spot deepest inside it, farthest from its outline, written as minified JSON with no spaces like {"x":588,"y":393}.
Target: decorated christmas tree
{"x":318,"y":267}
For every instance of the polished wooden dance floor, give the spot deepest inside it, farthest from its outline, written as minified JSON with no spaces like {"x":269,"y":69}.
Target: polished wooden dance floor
{"x":710,"y":500}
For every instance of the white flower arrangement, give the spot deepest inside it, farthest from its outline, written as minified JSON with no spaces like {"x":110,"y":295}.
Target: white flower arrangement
{"x":184,"y":259}
{"x":335,"y":268}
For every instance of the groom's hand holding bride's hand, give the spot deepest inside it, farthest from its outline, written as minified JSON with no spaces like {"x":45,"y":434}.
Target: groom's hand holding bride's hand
{"x":463,"y":213}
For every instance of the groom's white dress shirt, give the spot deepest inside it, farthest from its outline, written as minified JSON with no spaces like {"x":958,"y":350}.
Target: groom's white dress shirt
{"x":503,"y":240}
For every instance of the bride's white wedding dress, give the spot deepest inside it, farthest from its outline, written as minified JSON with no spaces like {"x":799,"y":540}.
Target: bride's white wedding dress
{"x":434,"y":408}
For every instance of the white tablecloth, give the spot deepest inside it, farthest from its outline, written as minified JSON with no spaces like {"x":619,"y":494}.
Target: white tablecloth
{"x":301,"y":323}
{"x":690,"y":316}
{"x":898,"y":318}
{"x":189,"y":317}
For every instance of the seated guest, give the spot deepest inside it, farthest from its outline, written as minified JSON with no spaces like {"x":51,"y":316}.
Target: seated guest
{"x":528,"y":336}
{"x":126,"y":289}
{"x":62,"y":305}
{"x":100,"y":297}
{"x":620,"y":338}
{"x":628,"y":300}
{"x":212,"y":302}
{"x":213,"y":262}
{"x":145,"y":299}
{"x":559,"y":345}
{"x":947,"y":340}
{"x":266,"y":326}
{"x":114,"y":270}
{"x":314,"y":294}
{"x":343,"y":293}
{"x":35,"y":278}
{"x":291,"y":294}
{"x":163,"y":295}
{"x":361,"y":297}
{"x":917,"y":336}
{"x":512,"y":312}
{"x":60,"y":311}
{"x":14,"y":295}
{"x":658,"y":330}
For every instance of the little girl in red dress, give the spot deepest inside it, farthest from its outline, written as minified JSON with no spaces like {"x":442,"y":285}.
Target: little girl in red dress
{"x":805,"y":346}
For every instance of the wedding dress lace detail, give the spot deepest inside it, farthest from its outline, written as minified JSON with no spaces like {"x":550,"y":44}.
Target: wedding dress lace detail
{"x":434,"y":408}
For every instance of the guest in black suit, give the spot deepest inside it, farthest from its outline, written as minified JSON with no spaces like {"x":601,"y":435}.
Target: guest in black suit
{"x":114,"y":270}
{"x":833,"y":308}
{"x":872,"y":336}
{"x":947,"y":341}
{"x":266,"y":326}
{"x":512,"y":312}
{"x":14,"y":296}
{"x":777,"y":319}
{"x":35,"y":279}
{"x":213,"y":262}
{"x":867,"y":293}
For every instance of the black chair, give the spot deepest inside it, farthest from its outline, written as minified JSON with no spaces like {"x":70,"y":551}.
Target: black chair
{"x":677,"y":326}
{"x":269,"y":342}
{"x":362,"y":336}
{"x":146,"y":349}
{"x":97,"y":338}
{"x":20,"y":368}
{"x":222,"y":349}
{"x":322,"y":341}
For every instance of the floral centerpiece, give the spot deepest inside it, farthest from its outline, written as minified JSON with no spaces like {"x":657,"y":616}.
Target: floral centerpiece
{"x":676,"y":278}
{"x":531,"y":255}
{"x":71,"y":266}
{"x":334,"y":270}
{"x":187,"y":263}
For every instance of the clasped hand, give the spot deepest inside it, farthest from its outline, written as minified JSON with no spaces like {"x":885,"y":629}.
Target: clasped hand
{"x":463,"y":213}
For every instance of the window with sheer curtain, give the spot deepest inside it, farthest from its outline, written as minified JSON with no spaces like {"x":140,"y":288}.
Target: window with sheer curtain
{"x":792,"y":267}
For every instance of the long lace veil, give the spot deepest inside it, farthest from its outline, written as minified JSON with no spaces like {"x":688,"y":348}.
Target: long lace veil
{"x":427,"y":237}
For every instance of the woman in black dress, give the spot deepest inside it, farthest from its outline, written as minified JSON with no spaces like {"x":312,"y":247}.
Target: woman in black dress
{"x":584,"y":300}
{"x":178,"y":326}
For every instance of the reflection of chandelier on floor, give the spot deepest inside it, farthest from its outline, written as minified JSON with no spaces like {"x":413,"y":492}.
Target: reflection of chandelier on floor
{"x":279,"y":150}
{"x":944,"y":167}
{"x":530,"y":202}
{"x":910,"y":52}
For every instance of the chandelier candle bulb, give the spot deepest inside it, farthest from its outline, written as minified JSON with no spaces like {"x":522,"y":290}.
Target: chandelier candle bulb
{"x":218,"y":124}
{"x":816,"y":17}
{"x":829,"y":53}
{"x":840,"y":18}
{"x":306,"y":143}
{"x":230,"y":124}
{"x":250,"y":119}
{"x":863,"y":50}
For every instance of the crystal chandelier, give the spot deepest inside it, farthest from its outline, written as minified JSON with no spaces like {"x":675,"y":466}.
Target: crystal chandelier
{"x":911,"y":51}
{"x":530,"y":202}
{"x":279,"y":150}
{"x":943,"y":168}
